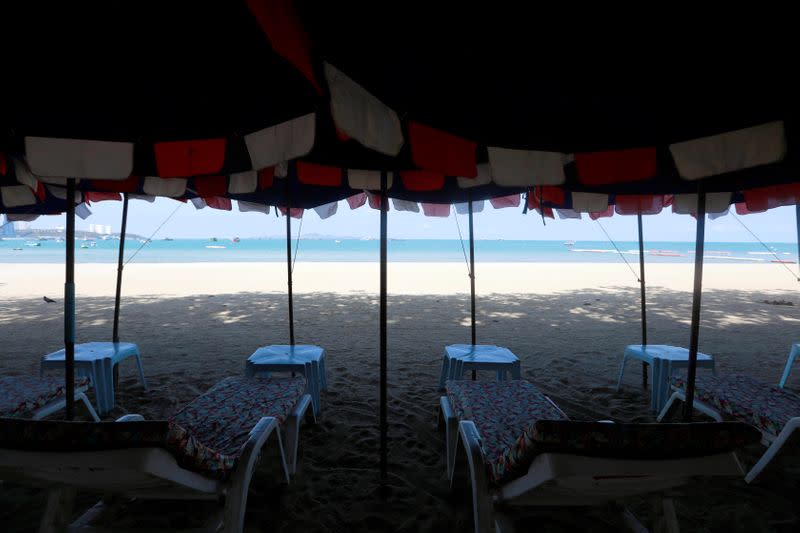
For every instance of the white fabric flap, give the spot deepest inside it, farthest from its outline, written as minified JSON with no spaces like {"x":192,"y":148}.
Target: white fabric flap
{"x":61,"y":193}
{"x":368,"y":180}
{"x":327,"y":210}
{"x":82,"y":211}
{"x":462,"y":208}
{"x":288,"y":140}
{"x":248,"y":207}
{"x":716,"y":202}
{"x":78,"y":158}
{"x":143,"y":197}
{"x":564,"y":214}
{"x":361,"y":116}
{"x":17,"y":195}
{"x":24,"y":175}
{"x":243,"y":182}
{"x":169,"y":187}
{"x":589,"y":202}
{"x":715,"y":216}
{"x":522,"y":168}
{"x":281,"y":169}
{"x":198,"y":203}
{"x":484,"y":177}
{"x":731,"y":151}
{"x":405,"y":205}
{"x":10,"y":217}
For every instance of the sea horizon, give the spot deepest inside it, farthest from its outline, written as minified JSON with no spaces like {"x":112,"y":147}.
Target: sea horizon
{"x":330,"y":249}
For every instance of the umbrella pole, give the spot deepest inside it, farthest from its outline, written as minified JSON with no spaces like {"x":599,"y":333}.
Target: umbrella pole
{"x":383,"y":384}
{"x":69,"y":304}
{"x":698,"y":291}
{"x":644,"y":301}
{"x":472,"y":275}
{"x":120,"y":266}
{"x":797,"y":223}
{"x":289,"y":263}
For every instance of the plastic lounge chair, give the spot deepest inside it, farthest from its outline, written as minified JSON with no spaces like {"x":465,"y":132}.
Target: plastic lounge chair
{"x":206,"y":451}
{"x":773,"y":410}
{"x":36,"y":398}
{"x":522,"y":450}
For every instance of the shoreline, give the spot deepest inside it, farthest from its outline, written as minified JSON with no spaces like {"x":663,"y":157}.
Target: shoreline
{"x":23,"y":280}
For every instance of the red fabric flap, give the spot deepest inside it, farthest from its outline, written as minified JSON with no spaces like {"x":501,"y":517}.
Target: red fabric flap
{"x":295,"y":212}
{"x":436,"y":210}
{"x":357,"y":200}
{"x":127,"y":185}
{"x":646,"y":204}
{"x":505,"y":201}
{"x":552,"y":195}
{"x":313,"y":174}
{"x":286,"y":34}
{"x":422,"y":180}
{"x":765,"y":198}
{"x":617,"y":166}
{"x":90,"y":196}
{"x":436,"y":150}
{"x":216,"y":202}
{"x":266,"y":177}
{"x":180,"y":159}
{"x":603,"y":214}
{"x":210,"y":186}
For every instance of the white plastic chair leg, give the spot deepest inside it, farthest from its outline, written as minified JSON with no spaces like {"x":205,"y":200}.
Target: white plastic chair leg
{"x":621,"y":371}
{"x":141,"y":371}
{"x":667,"y":406}
{"x":789,"y":362}
{"x":773,"y":449}
{"x":82,"y":397}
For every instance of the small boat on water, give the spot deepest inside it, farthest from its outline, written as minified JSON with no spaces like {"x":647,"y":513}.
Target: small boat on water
{"x":33,"y":243}
{"x":213,"y":239}
{"x":236,"y":239}
{"x":569,"y":243}
{"x":17,"y":248}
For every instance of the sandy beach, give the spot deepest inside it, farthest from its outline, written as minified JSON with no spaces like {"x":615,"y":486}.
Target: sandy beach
{"x":568,"y":323}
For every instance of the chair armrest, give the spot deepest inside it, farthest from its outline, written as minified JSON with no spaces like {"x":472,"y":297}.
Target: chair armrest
{"x":130,"y":418}
{"x":481,"y":495}
{"x":236,"y":497}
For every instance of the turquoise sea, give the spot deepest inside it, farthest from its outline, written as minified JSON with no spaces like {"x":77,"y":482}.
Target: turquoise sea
{"x":417,"y":250}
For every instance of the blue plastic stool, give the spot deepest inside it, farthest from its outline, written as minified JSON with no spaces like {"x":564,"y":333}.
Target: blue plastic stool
{"x":789,"y":362}
{"x":96,"y":360}
{"x":664,"y":360}
{"x":305,"y":359}
{"x":461,"y":357}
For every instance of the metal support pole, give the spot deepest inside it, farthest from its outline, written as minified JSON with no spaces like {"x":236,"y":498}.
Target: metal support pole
{"x":69,"y":304}
{"x":698,"y":291}
{"x":289,"y":262}
{"x":644,"y":300}
{"x":120,"y":266}
{"x":472,"y":275}
{"x":383,"y":392}
{"x":797,"y":223}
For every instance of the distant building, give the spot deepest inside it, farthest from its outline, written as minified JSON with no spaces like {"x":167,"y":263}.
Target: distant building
{"x":22,"y":226}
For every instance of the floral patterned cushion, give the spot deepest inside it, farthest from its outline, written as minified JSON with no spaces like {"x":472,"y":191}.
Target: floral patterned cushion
{"x":504,"y":413}
{"x":767,"y":407}
{"x":209,"y":432}
{"x":517,"y":422}
{"x":22,"y":395}
{"x":206,"y":436}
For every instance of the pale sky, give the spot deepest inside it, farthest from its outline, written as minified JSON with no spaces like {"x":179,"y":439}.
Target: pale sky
{"x":777,"y":225}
